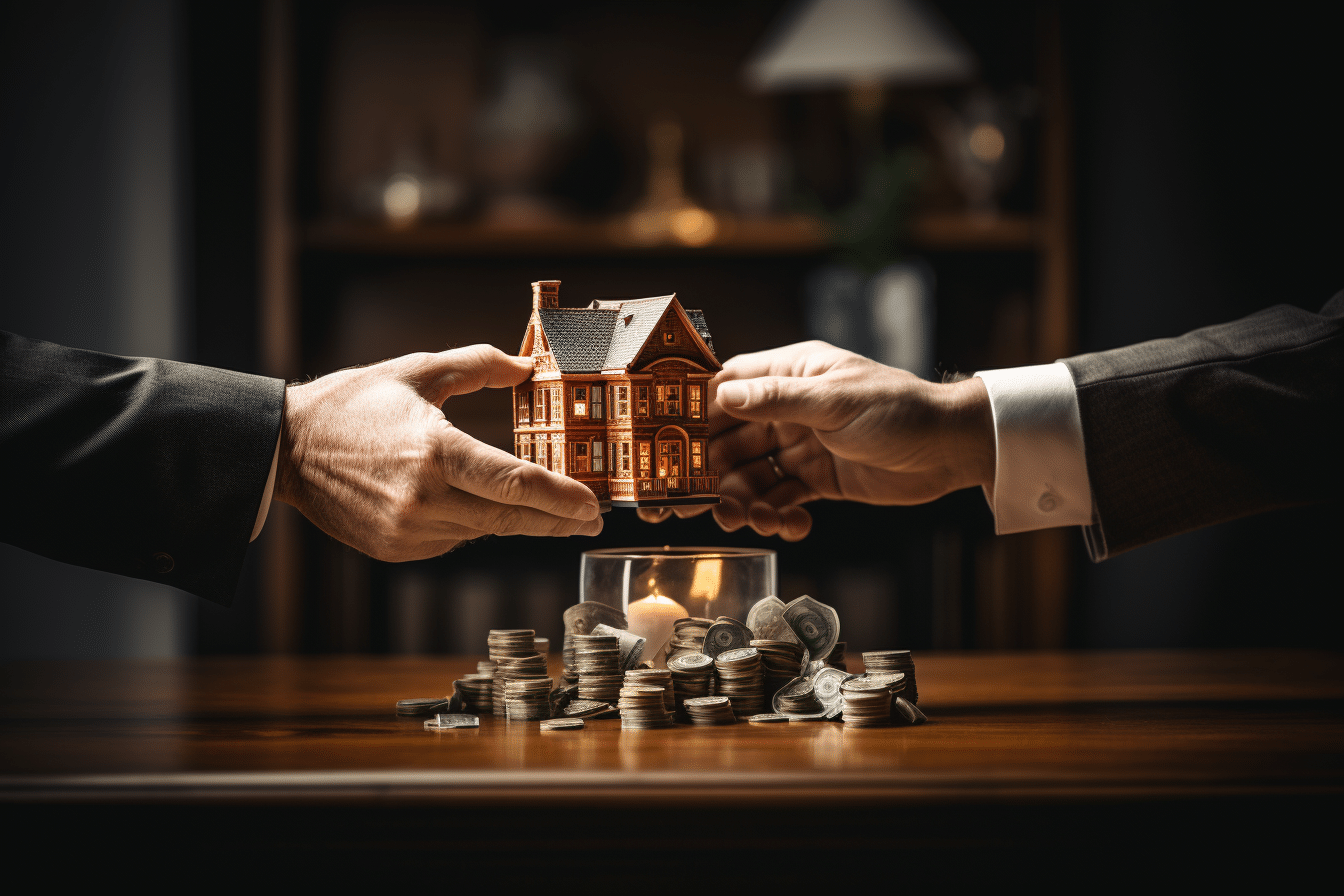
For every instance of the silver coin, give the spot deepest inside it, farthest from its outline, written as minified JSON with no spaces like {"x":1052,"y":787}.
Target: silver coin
{"x":706,"y":701}
{"x":445,"y":720}
{"x":739,"y":653}
{"x":560,"y":724}
{"x":422,"y":706}
{"x":690,"y":662}
{"x":768,"y":717}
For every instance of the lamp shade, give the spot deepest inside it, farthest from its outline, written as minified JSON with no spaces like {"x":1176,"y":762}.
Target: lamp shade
{"x":831,"y":43}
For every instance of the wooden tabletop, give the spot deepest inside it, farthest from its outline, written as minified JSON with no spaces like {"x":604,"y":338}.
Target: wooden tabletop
{"x":1080,"y":727}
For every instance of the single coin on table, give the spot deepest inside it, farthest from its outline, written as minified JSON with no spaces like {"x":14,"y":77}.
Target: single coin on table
{"x":445,"y":720}
{"x":768,"y":717}
{"x":422,"y":706}
{"x":560,"y":724}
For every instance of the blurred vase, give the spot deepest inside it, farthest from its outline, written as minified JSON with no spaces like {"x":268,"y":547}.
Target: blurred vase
{"x":981,"y":141}
{"x":889,"y":316}
{"x":524,"y":132}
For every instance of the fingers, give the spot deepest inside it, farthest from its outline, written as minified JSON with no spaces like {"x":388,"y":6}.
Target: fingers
{"x":810,"y":401}
{"x":681,"y":511}
{"x":458,"y":509}
{"x":487,"y":472}
{"x":461,"y":370}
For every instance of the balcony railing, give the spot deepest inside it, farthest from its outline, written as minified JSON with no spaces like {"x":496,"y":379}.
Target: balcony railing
{"x":677,"y":486}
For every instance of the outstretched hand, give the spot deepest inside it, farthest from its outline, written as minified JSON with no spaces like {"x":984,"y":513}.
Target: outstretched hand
{"x":369,"y":457}
{"x":810,"y":421}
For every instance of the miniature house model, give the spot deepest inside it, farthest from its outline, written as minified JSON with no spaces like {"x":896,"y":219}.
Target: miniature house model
{"x":618,"y":398}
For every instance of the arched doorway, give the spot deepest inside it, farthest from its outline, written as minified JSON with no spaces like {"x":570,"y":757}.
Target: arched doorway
{"x":671,"y":456}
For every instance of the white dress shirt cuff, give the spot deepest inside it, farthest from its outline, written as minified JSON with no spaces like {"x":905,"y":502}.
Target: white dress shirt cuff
{"x":1040,"y":467}
{"x":265,"y":507}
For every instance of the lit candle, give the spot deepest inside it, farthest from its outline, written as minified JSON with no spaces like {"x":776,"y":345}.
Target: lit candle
{"x":651,"y":619}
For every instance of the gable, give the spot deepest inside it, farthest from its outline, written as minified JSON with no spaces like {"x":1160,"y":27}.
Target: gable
{"x":687,"y":342}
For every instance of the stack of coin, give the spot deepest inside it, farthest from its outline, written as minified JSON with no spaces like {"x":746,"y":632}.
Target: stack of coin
{"x":510,"y":643}
{"x":597,"y":660}
{"x":798,"y":698}
{"x":894,"y":661}
{"x":571,"y":674}
{"x":867,"y":703}
{"x":781,"y":662}
{"x":477,"y":689}
{"x":515,"y":669}
{"x":528,"y":699}
{"x":837,"y":657}
{"x":661,"y":678}
{"x":710,"y":710}
{"x":688,"y":636}
{"x":644,"y":706}
{"x":589,"y":709}
{"x":740,"y":679}
{"x":692,"y":676}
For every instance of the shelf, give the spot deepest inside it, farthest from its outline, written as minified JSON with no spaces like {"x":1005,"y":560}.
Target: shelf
{"x":791,"y":235}
{"x":766,"y":236}
{"x":951,"y":231}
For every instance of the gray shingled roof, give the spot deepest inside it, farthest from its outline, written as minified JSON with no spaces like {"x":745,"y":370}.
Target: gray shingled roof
{"x":698,"y":321}
{"x":578,"y":337}
{"x":636,"y":320}
{"x":607,"y":334}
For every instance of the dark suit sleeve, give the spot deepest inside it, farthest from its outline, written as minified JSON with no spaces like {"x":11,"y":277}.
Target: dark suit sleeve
{"x":1217,"y":424}
{"x":145,"y":468}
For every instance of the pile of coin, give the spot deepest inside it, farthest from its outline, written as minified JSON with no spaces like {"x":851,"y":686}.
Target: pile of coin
{"x":527,"y":699}
{"x":477,"y":690}
{"x":894,"y":661}
{"x":580,"y":620}
{"x":798,"y":698}
{"x":644,"y":706}
{"x":598,"y":663}
{"x":688,"y":636}
{"x":710,"y":711}
{"x":692,"y":676}
{"x":781,"y":663}
{"x":523,"y":668}
{"x":660,"y":678}
{"x":867,"y":703}
{"x":741,"y":680}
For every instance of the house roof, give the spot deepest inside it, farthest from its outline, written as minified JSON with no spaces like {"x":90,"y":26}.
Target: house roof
{"x":608,"y":334}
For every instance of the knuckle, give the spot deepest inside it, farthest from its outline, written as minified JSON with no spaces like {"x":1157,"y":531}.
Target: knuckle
{"x":509,"y":521}
{"x":515,"y":487}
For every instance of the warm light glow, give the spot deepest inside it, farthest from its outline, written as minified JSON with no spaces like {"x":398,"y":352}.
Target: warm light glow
{"x":986,"y":143}
{"x":402,"y":198}
{"x":708,"y":578}
{"x":694,"y":226}
{"x":652,"y":619}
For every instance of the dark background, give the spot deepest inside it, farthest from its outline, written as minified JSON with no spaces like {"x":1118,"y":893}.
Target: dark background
{"x":1207,"y":185}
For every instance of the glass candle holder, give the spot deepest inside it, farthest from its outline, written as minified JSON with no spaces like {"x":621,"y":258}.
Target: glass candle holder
{"x":654,"y":587}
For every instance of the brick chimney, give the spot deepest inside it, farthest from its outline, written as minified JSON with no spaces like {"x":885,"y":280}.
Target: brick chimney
{"x":545,"y":294}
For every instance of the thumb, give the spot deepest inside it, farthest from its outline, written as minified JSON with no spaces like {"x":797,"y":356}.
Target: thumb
{"x":461,"y":370}
{"x":809,"y":401}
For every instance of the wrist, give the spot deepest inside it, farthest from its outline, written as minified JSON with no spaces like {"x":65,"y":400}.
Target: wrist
{"x":288,"y":457}
{"x":967,"y":433}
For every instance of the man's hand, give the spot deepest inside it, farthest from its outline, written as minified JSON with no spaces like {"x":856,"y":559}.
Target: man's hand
{"x":836,"y":425}
{"x":367,"y":455}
